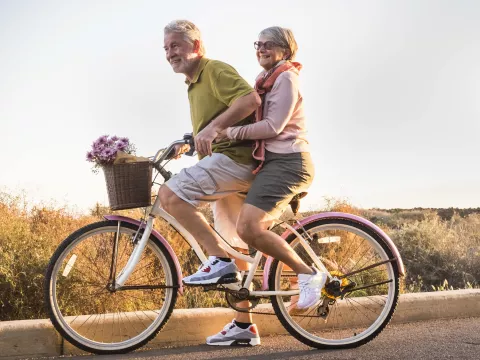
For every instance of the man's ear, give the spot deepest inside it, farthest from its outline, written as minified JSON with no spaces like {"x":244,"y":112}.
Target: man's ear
{"x":196,"y":46}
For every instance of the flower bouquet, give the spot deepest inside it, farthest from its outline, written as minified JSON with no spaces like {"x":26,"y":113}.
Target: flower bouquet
{"x":104,"y":150}
{"x":128,"y":178}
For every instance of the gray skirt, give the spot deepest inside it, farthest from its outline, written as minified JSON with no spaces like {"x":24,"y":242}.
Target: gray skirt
{"x":280,"y":179}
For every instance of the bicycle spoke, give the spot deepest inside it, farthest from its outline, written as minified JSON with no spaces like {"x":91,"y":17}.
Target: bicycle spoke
{"x":360,"y":267}
{"x":335,"y":308}
{"x":354,"y":253}
{"x":84,"y":321}
{"x":141,"y":277}
{"x":99,"y":316}
{"x":374,"y":301}
{"x":92,"y":262}
{"x":361,"y":257}
{"x":143,"y":267}
{"x":350,"y":300}
{"x":124,"y":248}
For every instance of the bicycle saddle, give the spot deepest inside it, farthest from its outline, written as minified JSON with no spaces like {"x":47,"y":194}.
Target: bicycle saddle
{"x":295,"y":202}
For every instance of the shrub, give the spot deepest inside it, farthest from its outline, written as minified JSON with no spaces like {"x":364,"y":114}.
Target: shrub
{"x":435,"y":250}
{"x":27,"y":240}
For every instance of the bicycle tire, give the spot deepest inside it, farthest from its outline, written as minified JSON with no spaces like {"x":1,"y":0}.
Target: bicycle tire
{"x":53,"y":279}
{"x":354,"y":339}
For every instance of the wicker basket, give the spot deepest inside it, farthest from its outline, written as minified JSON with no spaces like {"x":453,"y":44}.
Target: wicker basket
{"x":129,"y":185}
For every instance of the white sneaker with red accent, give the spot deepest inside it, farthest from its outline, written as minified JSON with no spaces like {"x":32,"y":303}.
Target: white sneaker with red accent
{"x":214,"y":271}
{"x":232,"y":335}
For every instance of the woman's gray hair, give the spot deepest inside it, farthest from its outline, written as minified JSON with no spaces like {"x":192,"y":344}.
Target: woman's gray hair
{"x":283,"y":37}
{"x":189,"y":30}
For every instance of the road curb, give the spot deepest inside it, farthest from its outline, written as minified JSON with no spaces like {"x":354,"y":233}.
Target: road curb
{"x":35,"y":338}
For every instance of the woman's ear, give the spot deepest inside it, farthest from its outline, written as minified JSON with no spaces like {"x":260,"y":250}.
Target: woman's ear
{"x":287,"y":54}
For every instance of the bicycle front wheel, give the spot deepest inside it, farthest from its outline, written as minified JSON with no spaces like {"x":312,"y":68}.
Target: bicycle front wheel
{"x":80,"y":300}
{"x":360,"y":299}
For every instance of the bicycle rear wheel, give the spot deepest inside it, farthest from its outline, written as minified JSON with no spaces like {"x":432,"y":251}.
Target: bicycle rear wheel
{"x":85,"y":310}
{"x":357,"y":303}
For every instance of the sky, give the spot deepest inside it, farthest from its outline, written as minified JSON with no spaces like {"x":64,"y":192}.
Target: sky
{"x":391,"y":92}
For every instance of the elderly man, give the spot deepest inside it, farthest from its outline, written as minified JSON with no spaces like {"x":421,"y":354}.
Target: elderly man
{"x":219,"y":97}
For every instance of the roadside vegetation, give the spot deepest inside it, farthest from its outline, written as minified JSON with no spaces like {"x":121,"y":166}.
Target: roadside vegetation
{"x":440,"y":249}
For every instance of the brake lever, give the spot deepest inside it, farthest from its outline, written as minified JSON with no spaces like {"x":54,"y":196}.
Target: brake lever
{"x":188,"y":137}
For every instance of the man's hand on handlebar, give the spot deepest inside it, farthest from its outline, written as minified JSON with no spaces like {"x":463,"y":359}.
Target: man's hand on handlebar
{"x":204,"y":139}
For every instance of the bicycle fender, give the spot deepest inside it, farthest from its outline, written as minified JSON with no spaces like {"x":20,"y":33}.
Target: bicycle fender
{"x":159,"y":238}
{"x":342,"y":216}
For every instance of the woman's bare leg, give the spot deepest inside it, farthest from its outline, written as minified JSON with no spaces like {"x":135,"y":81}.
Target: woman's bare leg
{"x":252,"y":226}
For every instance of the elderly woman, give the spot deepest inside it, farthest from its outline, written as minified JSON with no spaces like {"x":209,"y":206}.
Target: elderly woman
{"x":285,"y":167}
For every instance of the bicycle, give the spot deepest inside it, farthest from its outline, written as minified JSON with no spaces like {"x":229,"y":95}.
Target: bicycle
{"x":120,"y":312}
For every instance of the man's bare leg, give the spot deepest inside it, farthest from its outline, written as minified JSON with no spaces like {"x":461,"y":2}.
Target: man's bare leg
{"x":225,"y":213}
{"x":244,"y":317}
{"x":192,"y":220}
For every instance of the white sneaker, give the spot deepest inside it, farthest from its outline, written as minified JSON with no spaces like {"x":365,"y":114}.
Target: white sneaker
{"x":310,"y":286}
{"x":234,"y":335}
{"x":214,"y":271}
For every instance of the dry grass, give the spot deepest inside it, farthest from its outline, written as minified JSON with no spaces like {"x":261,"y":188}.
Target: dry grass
{"x":433,"y":249}
{"x":27,"y":240}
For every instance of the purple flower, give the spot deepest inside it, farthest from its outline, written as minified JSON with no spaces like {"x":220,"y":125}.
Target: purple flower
{"x":90,"y":156}
{"x":98,"y":145}
{"x":104,"y":149}
{"x":121,"y":146}
{"x":97,"y":150}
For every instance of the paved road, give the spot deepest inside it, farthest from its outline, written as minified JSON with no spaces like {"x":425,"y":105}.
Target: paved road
{"x":440,"y":339}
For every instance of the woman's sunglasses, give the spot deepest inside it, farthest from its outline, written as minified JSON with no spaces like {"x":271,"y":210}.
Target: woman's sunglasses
{"x":267,"y":45}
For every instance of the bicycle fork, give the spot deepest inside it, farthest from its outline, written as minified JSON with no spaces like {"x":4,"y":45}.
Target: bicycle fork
{"x":132,"y":262}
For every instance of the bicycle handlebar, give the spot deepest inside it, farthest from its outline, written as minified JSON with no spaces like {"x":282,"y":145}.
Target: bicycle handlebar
{"x":165,"y":154}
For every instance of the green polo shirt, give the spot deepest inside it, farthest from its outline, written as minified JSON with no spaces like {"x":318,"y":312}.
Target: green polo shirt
{"x":213,"y":89}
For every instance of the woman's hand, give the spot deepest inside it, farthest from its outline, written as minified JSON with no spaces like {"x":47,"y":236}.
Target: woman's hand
{"x":222,"y":135}
{"x":179,"y":150}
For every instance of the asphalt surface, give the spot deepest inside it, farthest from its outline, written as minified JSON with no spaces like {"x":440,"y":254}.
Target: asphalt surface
{"x":440,"y":339}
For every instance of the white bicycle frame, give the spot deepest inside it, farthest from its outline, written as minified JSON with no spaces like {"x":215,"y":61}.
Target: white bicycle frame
{"x":124,"y":274}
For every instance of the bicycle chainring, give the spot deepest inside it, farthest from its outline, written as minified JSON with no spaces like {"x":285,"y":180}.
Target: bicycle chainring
{"x":235,"y":297}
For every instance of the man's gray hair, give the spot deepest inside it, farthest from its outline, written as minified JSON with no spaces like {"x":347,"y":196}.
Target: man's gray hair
{"x":283,"y":37}
{"x":189,"y":30}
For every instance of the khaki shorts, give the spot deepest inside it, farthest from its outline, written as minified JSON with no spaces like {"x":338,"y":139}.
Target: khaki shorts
{"x":221,"y":182}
